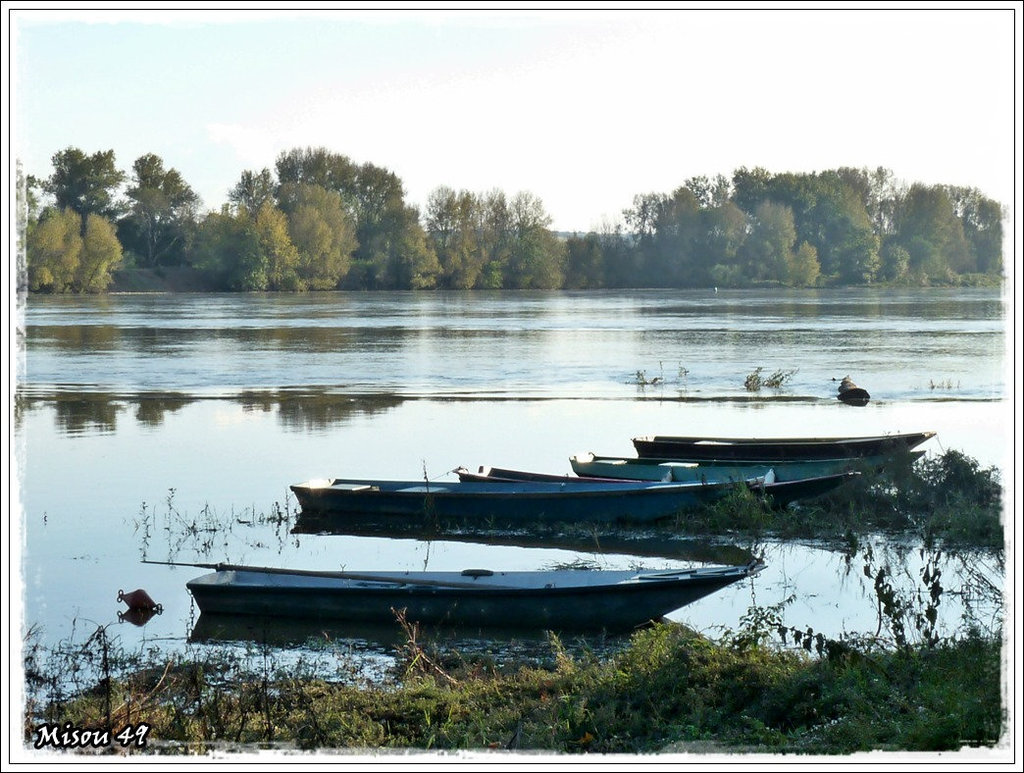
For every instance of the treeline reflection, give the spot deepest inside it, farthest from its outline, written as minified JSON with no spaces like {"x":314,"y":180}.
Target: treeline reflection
{"x":100,"y":412}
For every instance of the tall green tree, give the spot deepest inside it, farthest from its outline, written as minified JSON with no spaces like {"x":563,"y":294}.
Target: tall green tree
{"x":163,"y":215}
{"x":278,"y":254}
{"x":930,"y":231}
{"x":494,"y":238}
{"x":673,"y":252}
{"x":802,"y":267}
{"x":710,"y":192}
{"x":535,"y":257}
{"x":100,"y":254}
{"x":85,"y":184}
{"x":319,"y":166}
{"x":982,"y":221}
{"x":768,"y":249}
{"x":53,"y":250}
{"x":723,"y":232}
{"x":227,"y":249}
{"x":62,"y":256}
{"x":585,"y":267}
{"x":322,"y":231}
{"x":253,"y":190}
{"x":381,"y":219}
{"x":408,"y":261}
{"x":452,"y":226}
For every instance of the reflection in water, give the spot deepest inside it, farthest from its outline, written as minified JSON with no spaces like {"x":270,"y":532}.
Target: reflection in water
{"x":366,"y":642}
{"x":78,"y":413}
{"x":311,"y":409}
{"x":138,"y":616}
{"x":650,"y":541}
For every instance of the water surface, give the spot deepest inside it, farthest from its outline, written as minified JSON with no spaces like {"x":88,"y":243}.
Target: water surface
{"x":168,"y":427}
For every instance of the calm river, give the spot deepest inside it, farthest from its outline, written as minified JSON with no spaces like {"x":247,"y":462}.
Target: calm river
{"x":169,"y":427}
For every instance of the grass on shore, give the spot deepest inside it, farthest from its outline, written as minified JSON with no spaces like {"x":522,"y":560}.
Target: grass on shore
{"x":668,"y":687}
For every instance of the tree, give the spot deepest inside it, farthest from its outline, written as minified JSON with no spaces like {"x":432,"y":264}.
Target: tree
{"x":61,"y":258}
{"x":253,"y":190}
{"x":163,"y":214}
{"x":100,"y":255}
{"x":380,"y":219}
{"x":53,"y":252}
{"x":409,"y":262}
{"x":451,"y":221}
{"x":802,"y":267}
{"x":323,"y":233}
{"x":878,"y":192}
{"x":724,"y":231}
{"x":535,"y":256}
{"x":752,"y":186}
{"x":895,"y":262}
{"x":670,"y":256}
{"x":228,"y":249}
{"x":85,"y":184}
{"x":930,"y":231}
{"x":768,"y":250}
{"x":278,"y":254}
{"x":584,"y":266}
{"x":319,"y":166}
{"x":494,"y":237}
{"x":710,"y":193}
{"x":982,"y":221}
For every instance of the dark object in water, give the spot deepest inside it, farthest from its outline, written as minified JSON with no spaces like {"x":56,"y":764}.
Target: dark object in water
{"x":851,"y":394}
{"x":138,"y":599}
{"x":138,"y":616}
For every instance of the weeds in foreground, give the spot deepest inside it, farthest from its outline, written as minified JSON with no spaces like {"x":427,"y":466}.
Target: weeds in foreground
{"x":664,"y":688}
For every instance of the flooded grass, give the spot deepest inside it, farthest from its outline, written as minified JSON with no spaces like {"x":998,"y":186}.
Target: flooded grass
{"x":666,"y":688}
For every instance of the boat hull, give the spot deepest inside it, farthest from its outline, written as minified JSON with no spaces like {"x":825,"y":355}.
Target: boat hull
{"x":592,"y":466}
{"x":774,"y":449}
{"x":781,"y":493}
{"x":609,"y":600}
{"x":509,"y":502}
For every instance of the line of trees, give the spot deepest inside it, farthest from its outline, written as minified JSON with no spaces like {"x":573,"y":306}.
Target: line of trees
{"x":320,"y":221}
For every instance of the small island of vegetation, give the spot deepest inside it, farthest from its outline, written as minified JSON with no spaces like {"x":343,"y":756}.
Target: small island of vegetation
{"x":320,"y":221}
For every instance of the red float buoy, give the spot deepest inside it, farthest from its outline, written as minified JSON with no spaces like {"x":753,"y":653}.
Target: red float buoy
{"x":137,"y":599}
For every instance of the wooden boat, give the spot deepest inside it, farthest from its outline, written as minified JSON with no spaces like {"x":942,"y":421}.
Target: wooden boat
{"x":610,"y":467}
{"x":509,"y":501}
{"x":564,"y":599}
{"x":774,"y":449}
{"x":781,"y":492}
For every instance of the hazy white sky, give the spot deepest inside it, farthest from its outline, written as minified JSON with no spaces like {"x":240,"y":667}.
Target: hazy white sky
{"x":583,"y":108}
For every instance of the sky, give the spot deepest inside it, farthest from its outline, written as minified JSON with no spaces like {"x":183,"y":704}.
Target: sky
{"x":585,"y":109}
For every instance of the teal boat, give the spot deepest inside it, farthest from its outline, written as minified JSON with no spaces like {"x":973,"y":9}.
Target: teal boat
{"x":670,"y":470}
{"x":781,"y":493}
{"x":558,"y":599}
{"x":513,"y":502}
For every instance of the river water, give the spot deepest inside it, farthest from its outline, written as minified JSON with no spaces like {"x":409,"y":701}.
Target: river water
{"x":169,"y":427}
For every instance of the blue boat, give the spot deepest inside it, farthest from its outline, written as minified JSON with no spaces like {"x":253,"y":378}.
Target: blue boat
{"x":610,"y":467}
{"x":522,"y":501}
{"x":560,"y":599}
{"x":781,"y":493}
